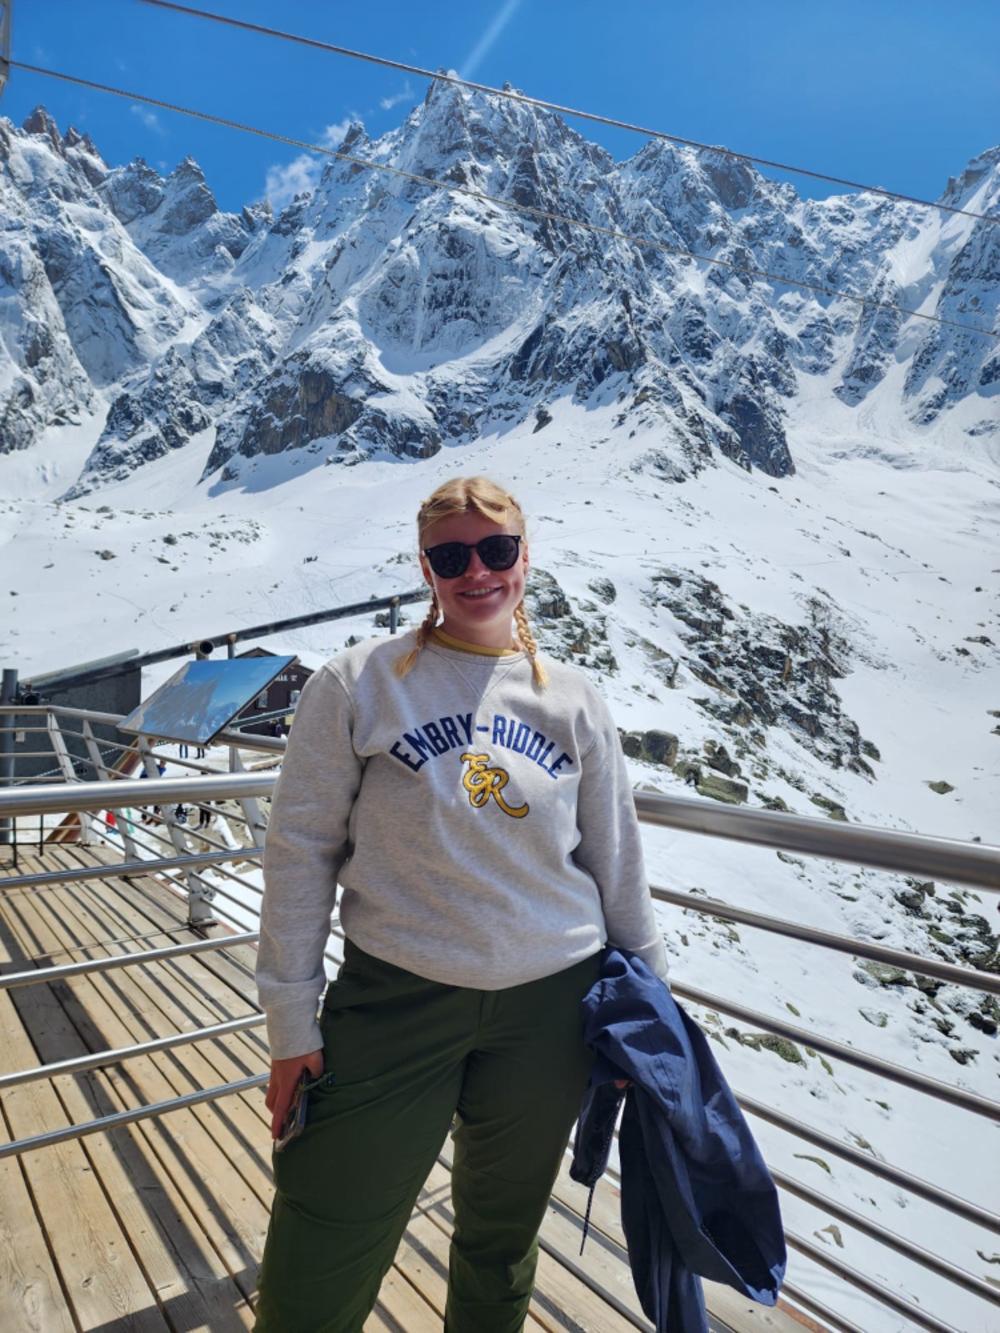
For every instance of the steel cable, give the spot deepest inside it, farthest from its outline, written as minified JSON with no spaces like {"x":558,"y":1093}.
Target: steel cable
{"x":514,"y":96}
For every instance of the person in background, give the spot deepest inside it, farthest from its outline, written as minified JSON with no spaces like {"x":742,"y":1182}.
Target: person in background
{"x":473,"y":802}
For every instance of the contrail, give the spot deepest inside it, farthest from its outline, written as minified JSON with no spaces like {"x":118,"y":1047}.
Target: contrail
{"x":481,"y":49}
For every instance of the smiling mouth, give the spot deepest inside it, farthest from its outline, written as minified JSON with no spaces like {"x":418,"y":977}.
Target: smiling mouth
{"x":476,"y":594}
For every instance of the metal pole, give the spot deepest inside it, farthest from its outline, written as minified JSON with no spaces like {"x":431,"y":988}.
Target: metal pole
{"x":5,"y":6}
{"x":394,"y":615}
{"x":119,"y":1118}
{"x":886,"y":849}
{"x":99,"y":1059}
{"x":77,"y":675}
{"x":8,"y":693}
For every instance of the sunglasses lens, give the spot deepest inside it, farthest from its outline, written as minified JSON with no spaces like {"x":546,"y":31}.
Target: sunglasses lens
{"x":498,"y":552}
{"x":449,"y":559}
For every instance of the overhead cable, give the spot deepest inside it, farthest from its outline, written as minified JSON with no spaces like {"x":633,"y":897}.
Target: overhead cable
{"x":542,"y":214}
{"x":515,"y":96}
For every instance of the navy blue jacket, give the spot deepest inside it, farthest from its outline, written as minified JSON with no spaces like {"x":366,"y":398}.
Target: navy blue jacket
{"x":696,"y":1196}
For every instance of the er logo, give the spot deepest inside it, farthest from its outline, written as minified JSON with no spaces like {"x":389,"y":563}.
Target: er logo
{"x":482,"y":782}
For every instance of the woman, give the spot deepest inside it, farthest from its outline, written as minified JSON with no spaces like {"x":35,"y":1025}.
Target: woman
{"x":475,"y":808}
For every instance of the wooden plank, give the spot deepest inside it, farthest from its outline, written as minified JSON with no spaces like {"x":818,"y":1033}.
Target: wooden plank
{"x":144,"y":897}
{"x":401,"y":1308}
{"x":97,"y":1269}
{"x":163,"y":1223}
{"x":31,"y":1296}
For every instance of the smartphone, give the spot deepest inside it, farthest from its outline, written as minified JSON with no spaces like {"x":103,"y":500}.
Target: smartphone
{"x":295,"y":1120}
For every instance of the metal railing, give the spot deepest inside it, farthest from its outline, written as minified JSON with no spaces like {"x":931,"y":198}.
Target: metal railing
{"x":970,"y":864}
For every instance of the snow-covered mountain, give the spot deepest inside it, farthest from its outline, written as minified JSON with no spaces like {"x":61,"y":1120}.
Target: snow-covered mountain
{"x":764,"y":519}
{"x":378,"y":317}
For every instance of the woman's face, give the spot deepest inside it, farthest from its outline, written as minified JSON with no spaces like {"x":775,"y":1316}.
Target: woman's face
{"x":479,"y":605}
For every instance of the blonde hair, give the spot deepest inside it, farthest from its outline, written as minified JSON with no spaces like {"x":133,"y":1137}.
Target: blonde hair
{"x":478,"y":495}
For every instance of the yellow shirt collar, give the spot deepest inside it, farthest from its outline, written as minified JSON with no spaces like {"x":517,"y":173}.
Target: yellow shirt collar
{"x":449,"y":641}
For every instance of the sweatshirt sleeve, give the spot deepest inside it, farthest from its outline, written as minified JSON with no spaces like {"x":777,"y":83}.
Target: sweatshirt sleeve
{"x":610,"y":847}
{"x":306,"y":844}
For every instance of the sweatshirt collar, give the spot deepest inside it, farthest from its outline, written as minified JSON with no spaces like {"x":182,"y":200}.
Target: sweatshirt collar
{"x":444,"y":640}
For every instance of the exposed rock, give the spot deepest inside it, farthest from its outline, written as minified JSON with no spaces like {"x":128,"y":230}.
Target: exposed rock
{"x":723,"y":789}
{"x":941,"y":787}
{"x":833,"y":809}
{"x":881,"y":974}
{"x":717,"y":757}
{"x":605,"y":590}
{"x":571,"y":635}
{"x":655,"y":747}
{"x":768,"y":1041}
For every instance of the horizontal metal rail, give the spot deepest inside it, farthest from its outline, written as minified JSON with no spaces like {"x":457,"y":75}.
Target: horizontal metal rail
{"x":796,"y":1296}
{"x":227,"y":737}
{"x":885,"y":849}
{"x":55,"y":798}
{"x":122,"y":869}
{"x":968,"y":1101}
{"x":972,"y":1212}
{"x":9,"y":980}
{"x":101,"y":1059}
{"x":917,"y":1317}
{"x":943,"y":858}
{"x":120,"y":1118}
{"x":925,"y":1258}
{"x":912,"y":962}
{"x":217,"y":862}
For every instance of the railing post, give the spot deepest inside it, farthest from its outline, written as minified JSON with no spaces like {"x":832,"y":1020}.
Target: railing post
{"x":4,"y":43}
{"x":102,"y":771}
{"x":252,"y":813}
{"x":8,"y":693}
{"x":234,"y":757}
{"x":89,"y":831}
{"x":394,"y":615}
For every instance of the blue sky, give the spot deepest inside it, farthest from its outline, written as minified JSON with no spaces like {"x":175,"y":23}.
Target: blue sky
{"x":898,"y":93}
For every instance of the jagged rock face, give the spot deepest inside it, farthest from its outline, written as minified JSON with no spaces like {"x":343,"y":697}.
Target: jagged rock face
{"x":376,"y":317}
{"x":762,"y":672}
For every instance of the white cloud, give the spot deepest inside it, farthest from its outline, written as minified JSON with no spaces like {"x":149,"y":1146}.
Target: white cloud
{"x":387,"y":103}
{"x":300,"y":175}
{"x":333,"y":135}
{"x":148,"y":117}
{"x":482,"y":48}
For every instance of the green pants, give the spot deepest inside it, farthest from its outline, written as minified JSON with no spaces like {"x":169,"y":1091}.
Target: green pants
{"x":406,"y":1055}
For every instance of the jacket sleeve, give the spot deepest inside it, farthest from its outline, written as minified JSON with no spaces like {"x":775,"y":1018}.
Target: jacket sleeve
{"x":610,"y":847}
{"x":306,"y":845}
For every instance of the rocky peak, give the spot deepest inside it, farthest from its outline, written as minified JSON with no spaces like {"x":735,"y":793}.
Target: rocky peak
{"x":960,"y":188}
{"x":355,"y":139}
{"x":41,"y":123}
{"x":188,"y":202}
{"x":133,"y":191}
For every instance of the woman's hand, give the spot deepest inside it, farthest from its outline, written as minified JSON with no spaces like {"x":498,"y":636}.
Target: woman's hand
{"x":281,"y":1085}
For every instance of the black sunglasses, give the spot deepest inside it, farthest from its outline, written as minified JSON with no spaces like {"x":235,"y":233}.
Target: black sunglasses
{"x":450,"y":559}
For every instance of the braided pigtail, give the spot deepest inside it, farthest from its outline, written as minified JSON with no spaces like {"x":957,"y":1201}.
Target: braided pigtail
{"x":406,"y":664}
{"x":527,"y":641}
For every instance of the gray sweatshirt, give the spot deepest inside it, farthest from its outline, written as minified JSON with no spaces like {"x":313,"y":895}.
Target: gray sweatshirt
{"x":483,"y":830}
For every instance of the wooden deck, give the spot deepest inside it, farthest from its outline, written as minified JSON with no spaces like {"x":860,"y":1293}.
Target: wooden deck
{"x":160,"y":1225}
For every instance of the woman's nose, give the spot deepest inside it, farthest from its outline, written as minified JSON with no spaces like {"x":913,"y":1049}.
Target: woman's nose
{"x":476,"y":566}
